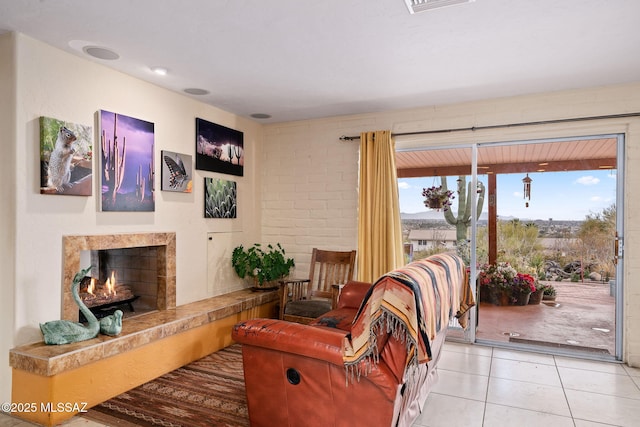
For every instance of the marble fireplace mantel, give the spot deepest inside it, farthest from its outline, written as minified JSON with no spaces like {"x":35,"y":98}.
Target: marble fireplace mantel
{"x":166,"y":254}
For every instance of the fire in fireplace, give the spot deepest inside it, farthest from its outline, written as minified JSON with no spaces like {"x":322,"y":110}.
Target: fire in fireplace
{"x":102,"y":299}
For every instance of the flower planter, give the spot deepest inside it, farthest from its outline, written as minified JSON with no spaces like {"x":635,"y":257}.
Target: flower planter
{"x":522,"y":298}
{"x":499,"y":297}
{"x":484,"y":294}
{"x":536,"y":297}
{"x":437,"y":197}
{"x":434,"y":203}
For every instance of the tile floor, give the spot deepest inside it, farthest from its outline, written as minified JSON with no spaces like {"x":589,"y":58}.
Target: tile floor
{"x":494,"y":387}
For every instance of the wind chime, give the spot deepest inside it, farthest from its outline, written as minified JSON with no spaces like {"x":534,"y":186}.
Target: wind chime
{"x":527,"y":189}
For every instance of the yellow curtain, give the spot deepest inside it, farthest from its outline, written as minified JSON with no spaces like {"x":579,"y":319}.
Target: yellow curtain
{"x":379,"y":228}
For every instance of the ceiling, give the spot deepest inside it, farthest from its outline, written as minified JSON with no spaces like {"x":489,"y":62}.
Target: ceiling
{"x":547,"y":156}
{"x":297,"y":60}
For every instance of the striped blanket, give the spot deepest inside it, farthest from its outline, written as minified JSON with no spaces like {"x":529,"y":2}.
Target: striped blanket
{"x":413,"y":303}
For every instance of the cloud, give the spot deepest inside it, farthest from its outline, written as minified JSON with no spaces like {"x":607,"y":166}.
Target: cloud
{"x":588,"y":180}
{"x":403,"y":185}
{"x":517,"y":194}
{"x":596,"y":199}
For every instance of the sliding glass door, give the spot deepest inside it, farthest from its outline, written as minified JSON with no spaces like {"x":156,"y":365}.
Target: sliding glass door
{"x":543,"y":214}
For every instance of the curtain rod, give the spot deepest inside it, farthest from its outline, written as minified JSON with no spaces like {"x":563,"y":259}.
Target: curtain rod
{"x":475,"y":128}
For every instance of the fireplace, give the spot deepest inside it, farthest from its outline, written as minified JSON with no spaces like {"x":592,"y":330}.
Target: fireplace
{"x":144,"y":262}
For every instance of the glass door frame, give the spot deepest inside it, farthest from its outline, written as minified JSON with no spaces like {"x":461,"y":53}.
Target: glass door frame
{"x":470,"y":333}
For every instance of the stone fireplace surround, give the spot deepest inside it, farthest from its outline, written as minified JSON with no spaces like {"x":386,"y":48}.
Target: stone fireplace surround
{"x":166,"y":263}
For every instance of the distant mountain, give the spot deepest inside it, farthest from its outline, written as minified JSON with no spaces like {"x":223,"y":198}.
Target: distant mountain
{"x":434,"y":216}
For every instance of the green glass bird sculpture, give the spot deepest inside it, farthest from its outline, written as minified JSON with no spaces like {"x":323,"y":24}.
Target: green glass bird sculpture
{"x":66,"y":331}
{"x":111,"y":324}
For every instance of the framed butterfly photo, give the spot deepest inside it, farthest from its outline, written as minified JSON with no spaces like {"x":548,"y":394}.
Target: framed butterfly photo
{"x":177,"y":172}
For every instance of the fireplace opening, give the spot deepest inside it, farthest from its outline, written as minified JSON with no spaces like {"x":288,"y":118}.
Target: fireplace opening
{"x":134,"y":273}
{"x":120,"y":279}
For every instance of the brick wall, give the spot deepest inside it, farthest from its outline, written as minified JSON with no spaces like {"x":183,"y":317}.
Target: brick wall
{"x":309,"y":191}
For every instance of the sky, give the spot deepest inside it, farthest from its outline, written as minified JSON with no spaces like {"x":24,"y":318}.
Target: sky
{"x":556,"y":195}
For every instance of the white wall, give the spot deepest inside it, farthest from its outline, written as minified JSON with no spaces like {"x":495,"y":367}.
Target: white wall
{"x":300,"y":206}
{"x":7,"y":213}
{"x":56,"y":84}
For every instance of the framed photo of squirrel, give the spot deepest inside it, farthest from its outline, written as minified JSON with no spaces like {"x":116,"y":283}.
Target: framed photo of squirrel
{"x":66,"y":158}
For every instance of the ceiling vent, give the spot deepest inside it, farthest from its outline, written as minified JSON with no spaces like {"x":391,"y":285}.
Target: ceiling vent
{"x":416,"y":6}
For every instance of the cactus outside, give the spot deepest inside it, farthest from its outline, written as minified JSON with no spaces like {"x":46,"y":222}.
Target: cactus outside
{"x":465,"y":197}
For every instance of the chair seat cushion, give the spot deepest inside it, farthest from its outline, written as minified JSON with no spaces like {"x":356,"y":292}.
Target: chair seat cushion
{"x":307,"y":308}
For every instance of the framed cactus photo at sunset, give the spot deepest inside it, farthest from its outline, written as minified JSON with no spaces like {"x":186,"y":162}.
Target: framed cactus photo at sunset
{"x":219,"y":148}
{"x":126,"y":162}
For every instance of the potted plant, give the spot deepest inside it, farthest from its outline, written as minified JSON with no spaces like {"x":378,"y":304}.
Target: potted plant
{"x":521,"y":288}
{"x":437,"y":197}
{"x":536,"y":296}
{"x":264,"y":266}
{"x":496,"y":283}
{"x":549,"y":293}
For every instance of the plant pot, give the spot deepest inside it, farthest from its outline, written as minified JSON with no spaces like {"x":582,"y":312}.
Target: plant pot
{"x":265,"y":286}
{"x":434,"y":203}
{"x":485,"y":294}
{"x":522,"y":298}
{"x":548,"y":298}
{"x":499,"y":297}
{"x":536,"y":297}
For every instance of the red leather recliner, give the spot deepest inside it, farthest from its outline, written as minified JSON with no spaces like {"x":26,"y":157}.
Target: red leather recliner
{"x":296,"y":375}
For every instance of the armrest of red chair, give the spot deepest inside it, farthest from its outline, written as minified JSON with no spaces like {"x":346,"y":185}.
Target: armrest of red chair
{"x":352,"y":294}
{"x":317,"y":343}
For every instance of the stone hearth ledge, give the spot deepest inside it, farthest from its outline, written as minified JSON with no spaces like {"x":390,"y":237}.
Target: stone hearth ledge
{"x":150,"y":345}
{"x":49,"y":360}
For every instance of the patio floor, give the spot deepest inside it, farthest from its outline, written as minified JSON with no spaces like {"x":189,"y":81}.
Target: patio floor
{"x":581,"y":319}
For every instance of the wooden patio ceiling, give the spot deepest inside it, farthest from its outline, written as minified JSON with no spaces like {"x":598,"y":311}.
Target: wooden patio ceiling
{"x":579,"y":154}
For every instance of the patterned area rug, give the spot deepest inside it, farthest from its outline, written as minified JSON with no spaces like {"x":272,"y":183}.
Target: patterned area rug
{"x":208,"y":392}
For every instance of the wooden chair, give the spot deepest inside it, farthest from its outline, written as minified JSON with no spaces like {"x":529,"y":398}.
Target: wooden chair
{"x":303,"y":300}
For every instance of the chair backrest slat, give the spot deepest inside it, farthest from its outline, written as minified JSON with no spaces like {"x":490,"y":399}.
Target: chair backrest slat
{"x":329,"y":268}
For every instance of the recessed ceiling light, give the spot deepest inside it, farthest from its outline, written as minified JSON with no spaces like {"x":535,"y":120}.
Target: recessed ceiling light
{"x":261,"y":116}
{"x":161,"y":71}
{"x":100,"y":53}
{"x":196,"y":91}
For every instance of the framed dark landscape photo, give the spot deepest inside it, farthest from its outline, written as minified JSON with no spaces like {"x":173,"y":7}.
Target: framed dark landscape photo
{"x":177,"y":172}
{"x":66,"y":158}
{"x":127,"y":163}
{"x":220,"y":198}
{"x":219,"y":148}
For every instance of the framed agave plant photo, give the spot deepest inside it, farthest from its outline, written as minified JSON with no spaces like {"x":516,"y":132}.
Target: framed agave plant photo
{"x":220,"y":198}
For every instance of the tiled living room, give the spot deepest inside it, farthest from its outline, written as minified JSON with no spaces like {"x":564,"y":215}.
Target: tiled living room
{"x":299,"y":187}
